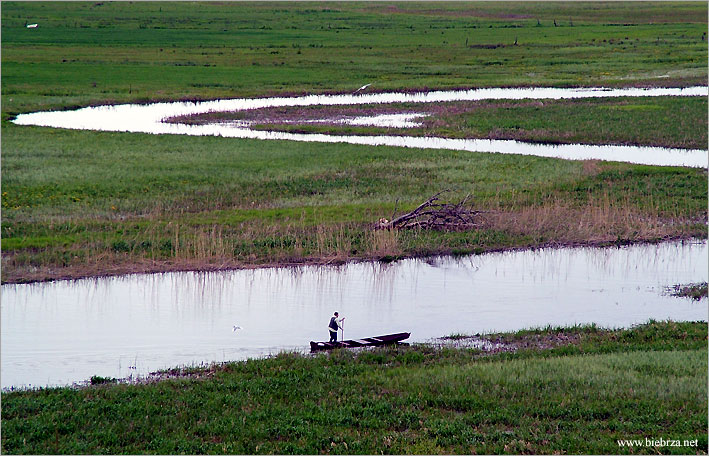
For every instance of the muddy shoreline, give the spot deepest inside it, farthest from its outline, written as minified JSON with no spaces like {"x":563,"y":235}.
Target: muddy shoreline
{"x":481,"y":345}
{"x":79,"y":272}
{"x":484,"y":345}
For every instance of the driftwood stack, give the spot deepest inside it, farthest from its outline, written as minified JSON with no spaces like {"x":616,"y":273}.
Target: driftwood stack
{"x":433,"y":215}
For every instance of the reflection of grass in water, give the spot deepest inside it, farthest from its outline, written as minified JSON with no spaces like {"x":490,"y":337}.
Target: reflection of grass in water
{"x":575,"y":398}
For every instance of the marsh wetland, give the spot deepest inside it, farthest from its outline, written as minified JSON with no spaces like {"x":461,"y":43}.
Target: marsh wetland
{"x":115,"y":203}
{"x":181,"y":217}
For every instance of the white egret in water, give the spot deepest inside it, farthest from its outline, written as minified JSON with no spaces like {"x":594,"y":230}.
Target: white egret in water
{"x":362,"y":88}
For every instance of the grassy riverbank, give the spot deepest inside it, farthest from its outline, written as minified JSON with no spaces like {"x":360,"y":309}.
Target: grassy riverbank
{"x":148,"y":203}
{"x":665,"y":121}
{"x":591,"y":389}
{"x":78,"y":203}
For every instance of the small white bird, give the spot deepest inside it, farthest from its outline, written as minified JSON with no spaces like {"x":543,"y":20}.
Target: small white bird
{"x":362,"y":88}
{"x":235,"y":328}
{"x":32,"y":25}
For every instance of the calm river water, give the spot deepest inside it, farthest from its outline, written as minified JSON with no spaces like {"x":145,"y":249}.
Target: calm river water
{"x":63,"y":332}
{"x":149,"y":119}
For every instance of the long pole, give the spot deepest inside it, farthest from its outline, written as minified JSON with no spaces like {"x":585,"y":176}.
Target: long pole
{"x":342,"y":327}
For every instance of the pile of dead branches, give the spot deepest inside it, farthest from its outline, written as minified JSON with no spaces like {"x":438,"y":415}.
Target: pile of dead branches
{"x":434,"y":215}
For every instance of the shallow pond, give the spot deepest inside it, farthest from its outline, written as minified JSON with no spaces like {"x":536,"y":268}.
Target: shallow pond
{"x":63,"y":332}
{"x":149,"y":119}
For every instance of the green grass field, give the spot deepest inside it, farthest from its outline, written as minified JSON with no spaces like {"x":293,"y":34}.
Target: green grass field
{"x":78,"y":204}
{"x":645,"y":382}
{"x":84,"y":53}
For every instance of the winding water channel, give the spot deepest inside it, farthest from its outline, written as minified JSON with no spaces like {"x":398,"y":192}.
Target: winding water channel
{"x":150,"y":119}
{"x":63,"y":332}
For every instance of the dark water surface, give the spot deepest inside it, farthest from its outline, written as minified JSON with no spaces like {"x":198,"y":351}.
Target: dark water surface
{"x":63,"y":332}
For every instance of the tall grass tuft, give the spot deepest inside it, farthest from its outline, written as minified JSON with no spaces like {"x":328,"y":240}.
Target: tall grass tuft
{"x":384,"y":243}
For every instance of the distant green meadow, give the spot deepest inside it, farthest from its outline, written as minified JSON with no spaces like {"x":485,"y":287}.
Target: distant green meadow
{"x":98,"y":52}
{"x":82,"y":203}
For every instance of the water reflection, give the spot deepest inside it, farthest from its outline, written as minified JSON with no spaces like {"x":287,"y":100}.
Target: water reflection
{"x":61,"y":332}
{"x":149,"y":119}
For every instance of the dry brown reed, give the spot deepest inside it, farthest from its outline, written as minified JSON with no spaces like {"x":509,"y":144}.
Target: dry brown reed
{"x":384,"y":243}
{"x":601,"y":219}
{"x":153,"y":247}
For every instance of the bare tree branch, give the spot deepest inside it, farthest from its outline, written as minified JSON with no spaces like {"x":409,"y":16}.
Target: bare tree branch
{"x":434,"y":215}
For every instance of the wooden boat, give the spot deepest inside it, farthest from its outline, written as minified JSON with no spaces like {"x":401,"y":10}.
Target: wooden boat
{"x":366,"y":342}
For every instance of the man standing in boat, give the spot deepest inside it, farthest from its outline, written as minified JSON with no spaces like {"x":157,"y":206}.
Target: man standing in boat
{"x":334,"y":325}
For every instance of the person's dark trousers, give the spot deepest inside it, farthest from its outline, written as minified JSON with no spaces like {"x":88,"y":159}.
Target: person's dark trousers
{"x":333,"y":336}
